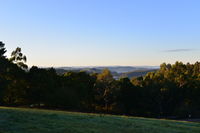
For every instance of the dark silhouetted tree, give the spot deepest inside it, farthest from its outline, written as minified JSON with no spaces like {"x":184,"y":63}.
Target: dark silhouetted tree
{"x":2,"y":49}
{"x":18,"y":58}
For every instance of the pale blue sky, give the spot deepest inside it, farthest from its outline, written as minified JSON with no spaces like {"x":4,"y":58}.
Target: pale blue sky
{"x":102,"y":32}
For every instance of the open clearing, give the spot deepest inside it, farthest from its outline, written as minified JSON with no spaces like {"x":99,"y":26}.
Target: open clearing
{"x":21,"y":120}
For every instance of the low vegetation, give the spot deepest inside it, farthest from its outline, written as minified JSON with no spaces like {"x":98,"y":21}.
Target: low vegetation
{"x":18,"y":120}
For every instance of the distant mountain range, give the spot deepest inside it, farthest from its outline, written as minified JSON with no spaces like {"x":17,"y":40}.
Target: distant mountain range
{"x":117,"y":71}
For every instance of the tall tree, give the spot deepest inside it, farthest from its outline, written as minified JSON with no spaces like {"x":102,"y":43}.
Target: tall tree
{"x":18,"y":58}
{"x":105,"y":88}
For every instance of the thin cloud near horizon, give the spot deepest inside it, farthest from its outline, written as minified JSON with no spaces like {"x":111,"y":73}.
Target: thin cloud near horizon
{"x":179,"y":50}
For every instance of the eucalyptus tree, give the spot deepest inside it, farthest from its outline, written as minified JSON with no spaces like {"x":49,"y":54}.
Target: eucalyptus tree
{"x":18,"y":58}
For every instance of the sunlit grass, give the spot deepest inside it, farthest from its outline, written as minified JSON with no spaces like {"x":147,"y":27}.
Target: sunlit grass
{"x":21,"y":120}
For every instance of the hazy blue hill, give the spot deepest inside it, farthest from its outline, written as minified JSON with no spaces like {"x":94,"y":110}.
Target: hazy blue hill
{"x":137,"y":73}
{"x":117,"y":71}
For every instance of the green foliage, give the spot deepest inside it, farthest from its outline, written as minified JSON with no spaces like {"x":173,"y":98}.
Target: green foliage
{"x":105,"y":89}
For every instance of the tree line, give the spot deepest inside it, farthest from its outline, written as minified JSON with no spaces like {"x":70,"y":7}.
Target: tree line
{"x":171,"y":91}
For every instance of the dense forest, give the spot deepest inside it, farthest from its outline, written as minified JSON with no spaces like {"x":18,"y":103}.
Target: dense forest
{"x":171,"y":91}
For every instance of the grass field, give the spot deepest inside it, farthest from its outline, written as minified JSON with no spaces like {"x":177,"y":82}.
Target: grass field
{"x":20,"y":120}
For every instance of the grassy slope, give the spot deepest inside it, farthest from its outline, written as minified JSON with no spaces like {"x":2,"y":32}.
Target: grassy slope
{"x":18,"y":120}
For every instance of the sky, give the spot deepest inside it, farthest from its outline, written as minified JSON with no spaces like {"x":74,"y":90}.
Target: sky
{"x":102,"y":32}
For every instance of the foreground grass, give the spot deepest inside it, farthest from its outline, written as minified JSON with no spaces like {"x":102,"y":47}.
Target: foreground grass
{"x":19,"y":120}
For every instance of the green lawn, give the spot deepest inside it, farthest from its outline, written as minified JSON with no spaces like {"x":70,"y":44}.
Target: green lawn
{"x":19,"y":120}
